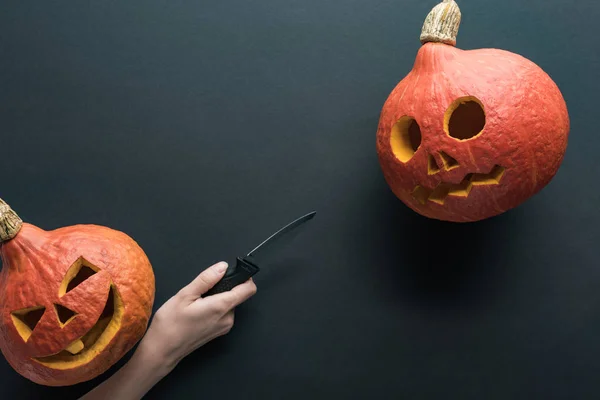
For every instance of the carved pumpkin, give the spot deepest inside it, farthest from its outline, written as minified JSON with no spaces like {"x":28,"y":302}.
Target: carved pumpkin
{"x":468,"y":135}
{"x":73,"y":300}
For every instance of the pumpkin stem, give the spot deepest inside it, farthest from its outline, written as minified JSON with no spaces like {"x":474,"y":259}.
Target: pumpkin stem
{"x":10,"y":223}
{"x":442,"y":23}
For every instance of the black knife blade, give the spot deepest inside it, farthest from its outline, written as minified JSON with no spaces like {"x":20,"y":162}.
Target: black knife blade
{"x":245,"y":267}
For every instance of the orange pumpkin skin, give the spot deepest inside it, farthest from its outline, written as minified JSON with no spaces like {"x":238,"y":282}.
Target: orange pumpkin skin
{"x":524,"y":138}
{"x":35,"y":265}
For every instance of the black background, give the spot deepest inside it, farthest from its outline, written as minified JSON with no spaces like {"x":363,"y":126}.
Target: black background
{"x":198,"y":128}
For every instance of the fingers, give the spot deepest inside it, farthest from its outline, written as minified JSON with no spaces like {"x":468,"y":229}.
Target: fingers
{"x":240,"y":293}
{"x":227,"y":323}
{"x":205,"y":281}
{"x":224,"y":302}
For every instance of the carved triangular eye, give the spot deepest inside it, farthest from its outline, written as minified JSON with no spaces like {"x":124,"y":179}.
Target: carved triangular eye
{"x":64,"y":314}
{"x":26,"y":319}
{"x":79,"y":272}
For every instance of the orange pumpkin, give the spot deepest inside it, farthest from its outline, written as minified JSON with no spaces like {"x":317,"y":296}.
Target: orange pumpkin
{"x":73,"y":300}
{"x":468,"y":135}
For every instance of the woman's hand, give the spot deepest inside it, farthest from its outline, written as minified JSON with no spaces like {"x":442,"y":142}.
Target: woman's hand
{"x":181,"y":325}
{"x":188,"y":321}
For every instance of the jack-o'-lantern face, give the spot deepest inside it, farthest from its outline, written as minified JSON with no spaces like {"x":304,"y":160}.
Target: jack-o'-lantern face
{"x":443,"y":177}
{"x":468,"y":135}
{"x":69,"y":329}
{"x":73,"y":301}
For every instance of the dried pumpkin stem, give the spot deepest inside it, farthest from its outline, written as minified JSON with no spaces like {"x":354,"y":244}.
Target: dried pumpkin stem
{"x":10,"y":223}
{"x":442,"y":23}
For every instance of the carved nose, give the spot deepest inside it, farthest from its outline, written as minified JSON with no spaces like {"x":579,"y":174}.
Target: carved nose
{"x":445,"y":162}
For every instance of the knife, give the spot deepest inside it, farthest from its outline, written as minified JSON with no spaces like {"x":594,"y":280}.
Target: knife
{"x":245,"y":267}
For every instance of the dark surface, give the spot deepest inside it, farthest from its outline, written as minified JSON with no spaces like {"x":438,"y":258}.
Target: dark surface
{"x":201,"y":127}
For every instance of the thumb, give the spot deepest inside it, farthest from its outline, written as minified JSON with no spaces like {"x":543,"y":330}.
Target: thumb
{"x":205,"y":281}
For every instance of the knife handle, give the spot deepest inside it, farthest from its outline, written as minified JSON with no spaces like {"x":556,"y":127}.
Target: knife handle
{"x":234,"y":276}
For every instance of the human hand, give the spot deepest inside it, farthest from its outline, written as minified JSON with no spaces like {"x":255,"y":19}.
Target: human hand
{"x":184,"y":323}
{"x":187,"y":321}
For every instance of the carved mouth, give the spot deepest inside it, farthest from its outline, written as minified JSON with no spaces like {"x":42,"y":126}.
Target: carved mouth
{"x":441,"y":192}
{"x":94,"y":341}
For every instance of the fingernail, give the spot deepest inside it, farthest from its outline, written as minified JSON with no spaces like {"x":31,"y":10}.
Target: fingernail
{"x":221,"y":267}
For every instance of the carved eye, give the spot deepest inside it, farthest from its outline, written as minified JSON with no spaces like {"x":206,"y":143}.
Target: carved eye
{"x":26,"y":319}
{"x":465,"y":118}
{"x":405,"y":138}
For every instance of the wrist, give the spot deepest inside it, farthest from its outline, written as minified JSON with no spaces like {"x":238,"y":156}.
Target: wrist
{"x":151,"y":363}
{"x":135,"y":379}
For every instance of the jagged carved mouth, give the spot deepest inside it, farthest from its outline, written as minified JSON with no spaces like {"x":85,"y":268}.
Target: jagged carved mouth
{"x":443,"y":190}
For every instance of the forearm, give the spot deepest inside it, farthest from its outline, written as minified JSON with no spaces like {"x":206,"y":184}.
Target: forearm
{"x":184,"y":323}
{"x":133,"y":380}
